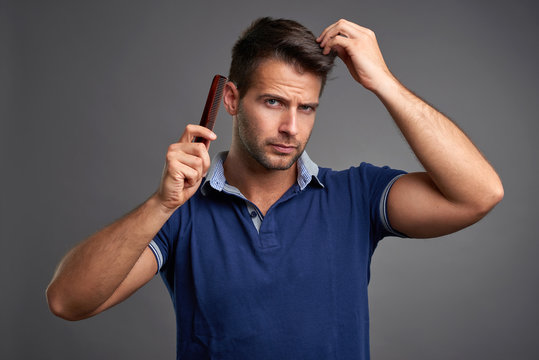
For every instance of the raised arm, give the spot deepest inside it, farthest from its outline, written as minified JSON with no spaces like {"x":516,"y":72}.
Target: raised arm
{"x":113,"y":263}
{"x":459,"y":186}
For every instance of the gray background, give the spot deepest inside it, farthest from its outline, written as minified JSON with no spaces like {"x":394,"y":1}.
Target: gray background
{"x":92,"y":94}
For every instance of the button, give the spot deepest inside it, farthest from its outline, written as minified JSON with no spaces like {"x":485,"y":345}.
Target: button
{"x":253,"y":214}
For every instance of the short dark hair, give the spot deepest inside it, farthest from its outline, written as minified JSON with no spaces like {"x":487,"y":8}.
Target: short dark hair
{"x":280,"y":39}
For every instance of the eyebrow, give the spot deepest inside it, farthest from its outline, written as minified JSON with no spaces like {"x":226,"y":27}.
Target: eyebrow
{"x":314,"y":105}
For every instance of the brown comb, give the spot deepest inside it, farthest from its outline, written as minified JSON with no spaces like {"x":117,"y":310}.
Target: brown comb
{"x":212,"y":104}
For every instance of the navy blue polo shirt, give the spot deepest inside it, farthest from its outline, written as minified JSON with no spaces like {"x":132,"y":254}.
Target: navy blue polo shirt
{"x":288,"y":285}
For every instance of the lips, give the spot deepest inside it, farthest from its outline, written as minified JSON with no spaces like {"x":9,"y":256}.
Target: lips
{"x":284,"y":148}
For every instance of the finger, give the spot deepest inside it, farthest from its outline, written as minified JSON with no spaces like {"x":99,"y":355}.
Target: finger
{"x":183,"y":172}
{"x":191,"y":131}
{"x":194,"y":162}
{"x":188,"y":148}
{"x":331,"y":30}
{"x":188,"y":155}
{"x":187,"y":167}
{"x":338,"y":43}
{"x":194,"y":154}
{"x":343,"y":28}
{"x":324,"y":33}
{"x":341,"y":53}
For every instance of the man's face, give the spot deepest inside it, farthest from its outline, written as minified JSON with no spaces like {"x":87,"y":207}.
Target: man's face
{"x":276,"y":116}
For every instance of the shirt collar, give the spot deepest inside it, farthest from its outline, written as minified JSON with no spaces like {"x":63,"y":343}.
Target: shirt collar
{"x":215,"y":178}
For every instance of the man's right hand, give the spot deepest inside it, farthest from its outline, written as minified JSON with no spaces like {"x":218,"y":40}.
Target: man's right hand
{"x":113,"y":263}
{"x":186,"y":164}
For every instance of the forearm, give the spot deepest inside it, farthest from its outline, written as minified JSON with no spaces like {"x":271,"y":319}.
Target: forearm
{"x":459,"y":185}
{"x":90,"y":273}
{"x":454,"y":164}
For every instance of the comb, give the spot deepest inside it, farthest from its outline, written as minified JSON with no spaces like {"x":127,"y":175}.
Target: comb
{"x":212,"y":104}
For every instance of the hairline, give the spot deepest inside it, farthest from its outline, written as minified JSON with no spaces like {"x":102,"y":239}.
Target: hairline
{"x":291,"y":62}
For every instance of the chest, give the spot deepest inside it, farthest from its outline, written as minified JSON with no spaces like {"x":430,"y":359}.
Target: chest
{"x":294,"y":275}
{"x":301,"y":244}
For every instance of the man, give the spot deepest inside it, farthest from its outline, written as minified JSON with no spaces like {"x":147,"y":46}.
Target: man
{"x":265,"y":254}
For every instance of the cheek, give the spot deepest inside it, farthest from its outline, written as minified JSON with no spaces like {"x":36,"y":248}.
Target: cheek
{"x":262,"y":120}
{"x":306,"y":126}
{"x":248,"y":126}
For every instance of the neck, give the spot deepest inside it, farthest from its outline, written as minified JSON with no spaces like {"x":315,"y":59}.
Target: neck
{"x":261,"y":186}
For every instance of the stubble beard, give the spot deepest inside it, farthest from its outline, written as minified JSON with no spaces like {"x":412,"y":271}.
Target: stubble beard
{"x":256,"y":147}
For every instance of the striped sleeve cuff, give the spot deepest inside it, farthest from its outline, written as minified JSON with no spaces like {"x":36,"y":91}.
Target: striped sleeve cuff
{"x":157,"y":253}
{"x":383,"y":208}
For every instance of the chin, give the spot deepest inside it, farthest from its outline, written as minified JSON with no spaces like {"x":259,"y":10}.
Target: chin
{"x":283,"y":162}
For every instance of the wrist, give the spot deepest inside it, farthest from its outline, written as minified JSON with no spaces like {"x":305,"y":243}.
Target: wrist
{"x":387,"y":87}
{"x":157,"y":205}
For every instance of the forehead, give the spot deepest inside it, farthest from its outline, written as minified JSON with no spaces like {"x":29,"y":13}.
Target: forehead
{"x":280,"y":78}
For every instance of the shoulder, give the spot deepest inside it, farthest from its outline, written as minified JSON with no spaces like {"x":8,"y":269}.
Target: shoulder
{"x":364,"y":173}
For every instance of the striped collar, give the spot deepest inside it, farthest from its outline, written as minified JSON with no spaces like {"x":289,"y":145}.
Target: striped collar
{"x":307,"y":171}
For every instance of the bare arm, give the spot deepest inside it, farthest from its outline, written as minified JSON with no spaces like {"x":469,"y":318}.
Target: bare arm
{"x":113,"y":263}
{"x":459,"y":186}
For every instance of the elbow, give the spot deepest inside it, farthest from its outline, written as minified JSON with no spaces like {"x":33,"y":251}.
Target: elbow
{"x":490,"y":199}
{"x":496,"y":195}
{"x":59,"y":307}
{"x":499,"y":194}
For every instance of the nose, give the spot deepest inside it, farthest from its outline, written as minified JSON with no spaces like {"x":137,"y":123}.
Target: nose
{"x":289,"y":123}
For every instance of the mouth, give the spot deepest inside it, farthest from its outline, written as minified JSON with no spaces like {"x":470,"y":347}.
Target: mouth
{"x":284,"y":148}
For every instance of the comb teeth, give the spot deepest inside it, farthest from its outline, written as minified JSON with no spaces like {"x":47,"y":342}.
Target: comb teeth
{"x":216,"y":102}
{"x":212,"y":103}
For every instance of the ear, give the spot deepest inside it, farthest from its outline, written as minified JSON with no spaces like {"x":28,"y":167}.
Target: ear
{"x":231,"y":98}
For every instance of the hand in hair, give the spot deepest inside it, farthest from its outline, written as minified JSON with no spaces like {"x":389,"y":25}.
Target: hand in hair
{"x":358,"y":49}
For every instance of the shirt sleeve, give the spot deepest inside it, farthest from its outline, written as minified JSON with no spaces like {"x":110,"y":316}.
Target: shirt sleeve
{"x":379,"y":181}
{"x":163,"y":242}
{"x":382,"y":206}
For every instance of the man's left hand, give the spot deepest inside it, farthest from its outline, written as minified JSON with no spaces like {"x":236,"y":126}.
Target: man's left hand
{"x":358,"y":49}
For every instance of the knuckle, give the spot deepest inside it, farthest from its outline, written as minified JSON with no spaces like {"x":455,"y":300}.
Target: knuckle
{"x":178,"y":177}
{"x":172,"y":148}
{"x":198,"y":162}
{"x":192,"y":174}
{"x":201,"y":148}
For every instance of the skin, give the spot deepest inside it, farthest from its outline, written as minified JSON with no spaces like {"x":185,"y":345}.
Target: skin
{"x":110,"y":265}
{"x":271,"y":126}
{"x":459,"y":186}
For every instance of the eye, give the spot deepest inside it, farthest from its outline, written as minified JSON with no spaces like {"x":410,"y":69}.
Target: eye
{"x":306,"y":108}
{"x":272,"y":102}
